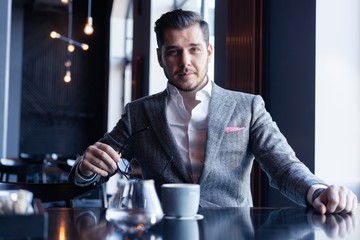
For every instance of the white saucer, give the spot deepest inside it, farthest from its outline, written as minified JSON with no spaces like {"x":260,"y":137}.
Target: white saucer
{"x":196,"y":217}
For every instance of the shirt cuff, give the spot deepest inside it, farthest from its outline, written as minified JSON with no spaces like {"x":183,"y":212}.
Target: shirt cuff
{"x":82,"y":178}
{"x":311,"y":191}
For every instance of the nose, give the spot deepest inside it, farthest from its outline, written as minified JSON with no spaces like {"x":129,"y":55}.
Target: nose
{"x":185,"y":59}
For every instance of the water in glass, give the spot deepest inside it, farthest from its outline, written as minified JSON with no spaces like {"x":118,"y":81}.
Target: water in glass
{"x":135,"y":206}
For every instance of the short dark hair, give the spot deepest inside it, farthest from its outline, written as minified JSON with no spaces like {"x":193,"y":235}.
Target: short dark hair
{"x":179,"y":19}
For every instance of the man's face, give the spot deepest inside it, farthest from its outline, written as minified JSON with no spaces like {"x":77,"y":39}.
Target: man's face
{"x":184,"y":58}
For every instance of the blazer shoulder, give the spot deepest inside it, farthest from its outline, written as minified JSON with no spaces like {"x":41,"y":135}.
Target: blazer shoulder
{"x":154,"y":97}
{"x":235,"y":95}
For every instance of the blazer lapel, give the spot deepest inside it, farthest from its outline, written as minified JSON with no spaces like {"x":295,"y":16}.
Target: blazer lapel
{"x":154,"y":109}
{"x":221,"y":107}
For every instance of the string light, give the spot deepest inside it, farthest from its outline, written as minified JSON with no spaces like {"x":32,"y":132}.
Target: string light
{"x":71,"y":48}
{"x":67,"y":77}
{"x":88,"y":29}
{"x":84,"y":46}
{"x":71,"y":43}
{"x":54,"y":34}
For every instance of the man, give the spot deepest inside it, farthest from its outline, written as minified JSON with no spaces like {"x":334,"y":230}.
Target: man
{"x":197,"y":132}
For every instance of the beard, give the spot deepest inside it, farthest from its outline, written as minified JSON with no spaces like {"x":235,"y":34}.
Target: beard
{"x":194,"y":82}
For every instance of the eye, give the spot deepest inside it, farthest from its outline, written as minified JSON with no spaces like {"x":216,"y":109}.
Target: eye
{"x":172,"y":52}
{"x":195,"y":50}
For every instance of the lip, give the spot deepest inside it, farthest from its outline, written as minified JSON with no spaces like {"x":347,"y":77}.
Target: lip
{"x":184,"y":74}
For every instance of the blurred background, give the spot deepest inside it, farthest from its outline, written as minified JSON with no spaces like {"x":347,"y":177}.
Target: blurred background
{"x":302,"y":56}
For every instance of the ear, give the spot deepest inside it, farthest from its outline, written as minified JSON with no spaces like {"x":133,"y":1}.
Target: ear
{"x":158,"y":52}
{"x":210,"y":51}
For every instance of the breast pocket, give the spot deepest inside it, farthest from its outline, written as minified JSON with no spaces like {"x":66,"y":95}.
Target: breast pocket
{"x":235,"y":135}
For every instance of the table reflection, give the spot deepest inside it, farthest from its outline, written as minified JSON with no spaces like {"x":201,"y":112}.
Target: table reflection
{"x":218,"y":223}
{"x":288,"y":223}
{"x":304,"y":224}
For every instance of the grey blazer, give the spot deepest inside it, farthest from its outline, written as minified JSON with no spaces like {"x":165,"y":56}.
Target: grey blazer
{"x":239,"y":131}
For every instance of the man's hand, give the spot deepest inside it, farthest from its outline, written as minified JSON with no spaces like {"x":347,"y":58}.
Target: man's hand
{"x":335,"y":199}
{"x":99,"y":158}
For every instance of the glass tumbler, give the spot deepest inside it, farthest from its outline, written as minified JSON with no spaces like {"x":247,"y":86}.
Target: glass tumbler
{"x":135,"y":206}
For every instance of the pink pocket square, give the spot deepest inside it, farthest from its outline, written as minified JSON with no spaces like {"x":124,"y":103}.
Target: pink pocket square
{"x":233,"y":129}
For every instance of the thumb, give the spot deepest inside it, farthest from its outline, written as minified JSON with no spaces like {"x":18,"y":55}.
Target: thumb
{"x":319,"y":206}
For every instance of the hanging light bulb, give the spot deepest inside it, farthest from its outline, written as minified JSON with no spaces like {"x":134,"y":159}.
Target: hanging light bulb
{"x":88,"y":29}
{"x":71,"y":47}
{"x":84,"y":46}
{"x":67,"y":77}
{"x":54,"y":34}
{"x":65,"y":1}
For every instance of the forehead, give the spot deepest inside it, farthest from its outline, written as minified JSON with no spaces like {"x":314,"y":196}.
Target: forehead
{"x":183,"y":37}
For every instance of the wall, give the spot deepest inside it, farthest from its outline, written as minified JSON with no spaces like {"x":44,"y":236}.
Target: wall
{"x":337,"y":123}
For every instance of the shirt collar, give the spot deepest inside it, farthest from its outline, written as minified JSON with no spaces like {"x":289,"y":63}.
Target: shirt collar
{"x":206,"y":90}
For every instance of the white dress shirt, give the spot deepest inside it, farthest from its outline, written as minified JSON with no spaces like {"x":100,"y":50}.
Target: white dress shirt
{"x":189,"y":129}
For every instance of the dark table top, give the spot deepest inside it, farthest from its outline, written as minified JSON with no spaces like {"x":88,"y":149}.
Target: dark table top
{"x":217,"y":224}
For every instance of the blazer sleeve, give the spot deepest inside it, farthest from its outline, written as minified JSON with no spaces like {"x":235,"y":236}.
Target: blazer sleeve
{"x":116,"y":139}
{"x":76,"y":178}
{"x":276,"y":157}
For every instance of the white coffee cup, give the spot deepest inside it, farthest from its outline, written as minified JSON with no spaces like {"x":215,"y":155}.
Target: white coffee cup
{"x":180,"y":199}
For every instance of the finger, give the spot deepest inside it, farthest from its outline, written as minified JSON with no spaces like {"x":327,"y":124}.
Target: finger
{"x":355,"y":204}
{"x":109,"y":150}
{"x":343,"y":197}
{"x":350,"y":203}
{"x":96,"y":159}
{"x":346,"y":203}
{"x":89,"y":166}
{"x":319,"y":206}
{"x":330,"y":197}
{"x":106,"y":157}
